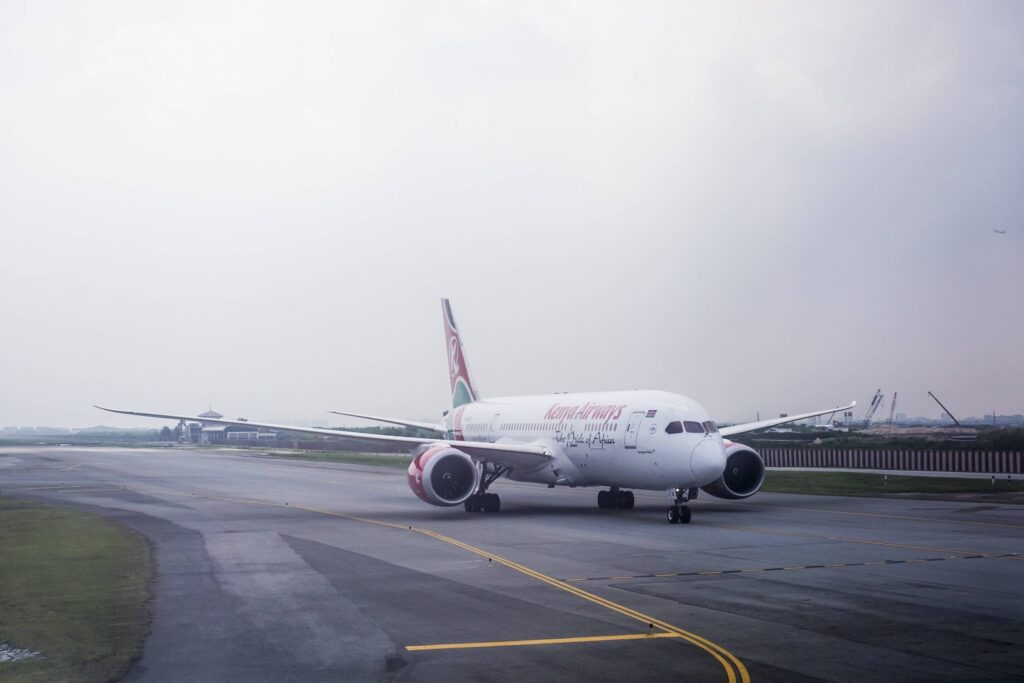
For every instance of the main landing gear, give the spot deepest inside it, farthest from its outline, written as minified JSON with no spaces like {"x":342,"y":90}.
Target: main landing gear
{"x":679,"y":511}
{"x":481,"y":501}
{"x":614,"y":498}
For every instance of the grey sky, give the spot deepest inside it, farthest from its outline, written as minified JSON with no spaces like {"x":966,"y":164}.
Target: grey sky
{"x":258,"y":205}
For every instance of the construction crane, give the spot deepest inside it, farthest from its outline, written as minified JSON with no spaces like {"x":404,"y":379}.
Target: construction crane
{"x":879,"y":406}
{"x":892,"y":408}
{"x":869,"y":408}
{"x":876,"y":401}
{"x":955,"y":421}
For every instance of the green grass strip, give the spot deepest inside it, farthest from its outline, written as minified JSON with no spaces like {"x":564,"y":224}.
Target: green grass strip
{"x":857,"y":484}
{"x":73,"y":587}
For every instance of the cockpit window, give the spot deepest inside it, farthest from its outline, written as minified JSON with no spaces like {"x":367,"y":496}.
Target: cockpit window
{"x":711,"y":427}
{"x":694,"y":427}
{"x":674,"y":427}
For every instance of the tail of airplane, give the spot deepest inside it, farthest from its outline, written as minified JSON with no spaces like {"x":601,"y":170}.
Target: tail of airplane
{"x":463,"y":388}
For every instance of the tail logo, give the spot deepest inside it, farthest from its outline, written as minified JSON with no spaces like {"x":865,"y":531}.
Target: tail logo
{"x":463,"y":391}
{"x":453,"y":355}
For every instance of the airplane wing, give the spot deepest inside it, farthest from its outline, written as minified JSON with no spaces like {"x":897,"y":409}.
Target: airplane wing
{"x":515,"y":456}
{"x":439,"y":429}
{"x":754,"y":426}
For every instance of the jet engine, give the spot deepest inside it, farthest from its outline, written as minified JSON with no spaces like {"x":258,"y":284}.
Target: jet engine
{"x":442,"y":475}
{"x":743,"y":475}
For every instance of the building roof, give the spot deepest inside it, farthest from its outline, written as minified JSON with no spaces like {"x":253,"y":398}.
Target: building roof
{"x":213,"y":414}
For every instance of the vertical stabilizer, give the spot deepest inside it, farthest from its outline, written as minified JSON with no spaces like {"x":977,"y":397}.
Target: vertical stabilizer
{"x":463,"y":388}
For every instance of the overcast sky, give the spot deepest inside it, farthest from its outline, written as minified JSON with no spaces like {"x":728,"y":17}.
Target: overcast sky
{"x":256,"y":206}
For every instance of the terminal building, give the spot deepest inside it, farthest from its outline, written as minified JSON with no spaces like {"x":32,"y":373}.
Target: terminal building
{"x":204,"y":433}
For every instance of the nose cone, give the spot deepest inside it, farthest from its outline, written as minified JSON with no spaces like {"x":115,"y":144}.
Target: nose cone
{"x":708,"y":461}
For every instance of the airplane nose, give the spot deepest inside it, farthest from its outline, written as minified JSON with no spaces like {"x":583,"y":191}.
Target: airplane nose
{"x":708,"y":461}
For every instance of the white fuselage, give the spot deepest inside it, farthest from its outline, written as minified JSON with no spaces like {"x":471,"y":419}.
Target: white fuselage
{"x":619,"y":438}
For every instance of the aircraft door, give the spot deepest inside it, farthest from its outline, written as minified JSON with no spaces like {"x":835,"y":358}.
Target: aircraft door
{"x":495,"y":423}
{"x":646,"y":434}
{"x":632,"y":427}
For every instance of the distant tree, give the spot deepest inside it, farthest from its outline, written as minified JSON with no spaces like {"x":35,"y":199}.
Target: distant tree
{"x":1007,"y":439}
{"x":166,"y":434}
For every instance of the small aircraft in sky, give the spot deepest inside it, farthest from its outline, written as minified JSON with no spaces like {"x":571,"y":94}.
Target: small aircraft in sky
{"x":650,"y":440}
{"x":999,"y":232}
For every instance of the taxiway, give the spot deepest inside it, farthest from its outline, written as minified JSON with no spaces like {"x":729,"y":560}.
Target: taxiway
{"x":275,"y":569}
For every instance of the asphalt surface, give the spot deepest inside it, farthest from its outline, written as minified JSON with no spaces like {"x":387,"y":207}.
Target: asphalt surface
{"x":279,"y":570}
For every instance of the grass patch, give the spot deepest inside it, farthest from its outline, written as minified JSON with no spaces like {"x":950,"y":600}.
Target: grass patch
{"x":857,"y":484}
{"x":395,"y":461}
{"x":74,"y":587}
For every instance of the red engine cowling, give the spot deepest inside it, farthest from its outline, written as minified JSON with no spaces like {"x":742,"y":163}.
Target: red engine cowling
{"x":442,"y":475}
{"x":743,"y":475}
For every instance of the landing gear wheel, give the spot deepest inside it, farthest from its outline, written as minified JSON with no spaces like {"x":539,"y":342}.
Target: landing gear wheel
{"x":483,"y":502}
{"x":609,"y":500}
{"x":679,"y":513}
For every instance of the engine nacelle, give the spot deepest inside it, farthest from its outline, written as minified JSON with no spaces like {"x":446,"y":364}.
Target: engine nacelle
{"x":743,"y":475}
{"x":442,"y":475}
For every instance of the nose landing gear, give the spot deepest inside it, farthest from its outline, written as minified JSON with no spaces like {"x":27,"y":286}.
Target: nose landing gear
{"x":679,"y":511}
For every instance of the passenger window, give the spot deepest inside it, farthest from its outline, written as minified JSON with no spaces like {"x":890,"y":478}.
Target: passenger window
{"x":674,"y":427}
{"x":694,"y":427}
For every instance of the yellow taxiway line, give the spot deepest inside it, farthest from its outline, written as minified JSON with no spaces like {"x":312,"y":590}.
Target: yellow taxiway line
{"x":541,"y":641}
{"x":732,"y":665}
{"x":734,"y":668}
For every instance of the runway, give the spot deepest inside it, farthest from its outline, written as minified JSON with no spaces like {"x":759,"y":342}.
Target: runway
{"x":273,"y":570}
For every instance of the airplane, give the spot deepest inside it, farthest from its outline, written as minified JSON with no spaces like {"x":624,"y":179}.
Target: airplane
{"x":999,"y":232}
{"x":645,"y":440}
